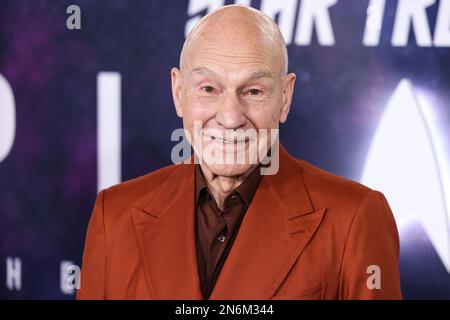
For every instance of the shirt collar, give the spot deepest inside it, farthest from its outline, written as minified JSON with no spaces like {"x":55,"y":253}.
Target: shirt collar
{"x":246,"y":189}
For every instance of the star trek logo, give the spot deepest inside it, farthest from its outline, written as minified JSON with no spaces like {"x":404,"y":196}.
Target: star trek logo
{"x":298,"y":19}
{"x":407,"y":163}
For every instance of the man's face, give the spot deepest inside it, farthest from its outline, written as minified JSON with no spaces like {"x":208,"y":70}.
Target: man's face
{"x":230,"y":87}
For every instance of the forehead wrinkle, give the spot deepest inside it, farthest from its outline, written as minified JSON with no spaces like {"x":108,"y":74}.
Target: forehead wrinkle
{"x":247,"y":50}
{"x":217,"y":59}
{"x":202,"y":70}
{"x":254,"y":75}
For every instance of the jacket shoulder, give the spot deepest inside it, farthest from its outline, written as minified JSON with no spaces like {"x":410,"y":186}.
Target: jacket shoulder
{"x":125,"y":194}
{"x":324,"y":186}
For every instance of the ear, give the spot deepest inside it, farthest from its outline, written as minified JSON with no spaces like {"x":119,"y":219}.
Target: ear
{"x":176,"y":90}
{"x":288,"y":91}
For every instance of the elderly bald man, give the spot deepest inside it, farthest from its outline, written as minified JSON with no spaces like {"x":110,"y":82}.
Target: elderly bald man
{"x":223,"y":230}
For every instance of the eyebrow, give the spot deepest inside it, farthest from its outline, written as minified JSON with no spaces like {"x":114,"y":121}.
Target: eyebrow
{"x":254,"y":75}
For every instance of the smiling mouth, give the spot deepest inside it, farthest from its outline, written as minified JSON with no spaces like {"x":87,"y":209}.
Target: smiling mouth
{"x":226,"y":141}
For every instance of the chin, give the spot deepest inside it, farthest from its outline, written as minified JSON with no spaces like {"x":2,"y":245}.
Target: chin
{"x":229,"y":170}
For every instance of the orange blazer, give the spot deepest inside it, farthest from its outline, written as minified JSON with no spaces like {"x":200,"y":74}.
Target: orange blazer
{"x":308,"y":234}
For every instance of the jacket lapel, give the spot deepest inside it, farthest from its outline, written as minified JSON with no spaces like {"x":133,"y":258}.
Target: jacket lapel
{"x":165,"y":230}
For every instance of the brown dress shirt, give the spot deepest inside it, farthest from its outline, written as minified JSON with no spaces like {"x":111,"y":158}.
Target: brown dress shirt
{"x":216,"y":229}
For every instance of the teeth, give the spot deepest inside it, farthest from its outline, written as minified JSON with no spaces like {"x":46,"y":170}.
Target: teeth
{"x":220,"y":140}
{"x":225,"y":141}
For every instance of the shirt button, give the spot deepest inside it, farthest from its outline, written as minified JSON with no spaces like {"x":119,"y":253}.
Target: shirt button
{"x":221,"y":238}
{"x":233,"y":196}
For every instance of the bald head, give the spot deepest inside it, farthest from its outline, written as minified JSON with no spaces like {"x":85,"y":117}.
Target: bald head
{"x":238,"y":25}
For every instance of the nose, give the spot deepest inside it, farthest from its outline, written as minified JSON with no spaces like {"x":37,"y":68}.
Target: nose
{"x":231,"y":114}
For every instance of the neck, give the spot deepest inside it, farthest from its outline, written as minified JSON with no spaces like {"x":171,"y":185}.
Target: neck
{"x":221,"y":186}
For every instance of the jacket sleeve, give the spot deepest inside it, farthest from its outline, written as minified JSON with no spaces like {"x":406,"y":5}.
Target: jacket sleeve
{"x":370,"y":261}
{"x":93,"y":268}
